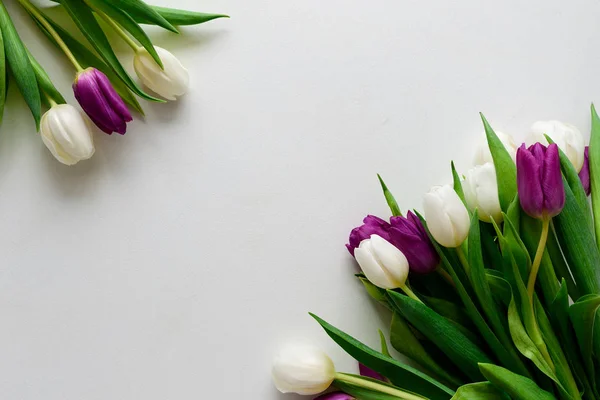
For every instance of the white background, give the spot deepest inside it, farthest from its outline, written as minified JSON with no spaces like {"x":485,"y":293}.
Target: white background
{"x":173,"y":263}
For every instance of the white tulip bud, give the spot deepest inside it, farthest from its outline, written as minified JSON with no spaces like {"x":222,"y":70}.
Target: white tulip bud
{"x":302,"y":369}
{"x":567,"y":137}
{"x":483,"y":154}
{"x":481,"y":192}
{"x":446,"y":215}
{"x":169,"y":82}
{"x":66,"y":133}
{"x":382,"y":263}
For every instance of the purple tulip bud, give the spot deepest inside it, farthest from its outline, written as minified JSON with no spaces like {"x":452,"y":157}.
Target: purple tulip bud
{"x":101,"y":102}
{"x":372,"y":225}
{"x":334,"y":396}
{"x":539,"y":180}
{"x":409,"y":235}
{"x":584,"y":174}
{"x":369,"y":373}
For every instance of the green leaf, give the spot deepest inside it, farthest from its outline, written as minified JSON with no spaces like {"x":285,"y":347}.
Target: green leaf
{"x":128,"y":23}
{"x":524,"y":342}
{"x":398,"y":373}
{"x":594,"y":156}
{"x":448,"y":309}
{"x":577,"y":241}
{"x":583,"y":315}
{"x":559,"y":312}
{"x":572,"y":177}
{"x":561,"y":364}
{"x":516,"y":386}
{"x":384,"y":346}
{"x":506,"y":171}
{"x":462,"y":351}
{"x":480,"y":391}
{"x":560,"y":264}
{"x":389,"y":198}
{"x":457,"y":183}
{"x":87,"y":24}
{"x":375,"y":292}
{"x":360,"y":392}
{"x":484,"y":294}
{"x":500,"y":288}
{"x":406,"y":343}
{"x":471,"y":309}
{"x":183,"y":17}
{"x":86,"y":59}
{"x":21,"y":68}
{"x":3,"y":79}
{"x":45,"y":83}
{"x":139,"y":9}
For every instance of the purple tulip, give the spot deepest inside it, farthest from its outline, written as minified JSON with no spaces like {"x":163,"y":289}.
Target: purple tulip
{"x":334,"y":396}
{"x":539,"y":180}
{"x":372,"y":225}
{"x":409,"y":235}
{"x":101,"y":102}
{"x":584,"y":174}
{"x":369,"y":373}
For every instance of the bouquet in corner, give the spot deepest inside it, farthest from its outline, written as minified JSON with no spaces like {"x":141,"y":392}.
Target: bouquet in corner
{"x":104,"y":90}
{"x":493,"y":289}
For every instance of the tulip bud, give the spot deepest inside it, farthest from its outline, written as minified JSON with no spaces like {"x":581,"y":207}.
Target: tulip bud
{"x":66,"y":134}
{"x":169,"y":82}
{"x":372,"y":225}
{"x":584,"y":174}
{"x":409,"y":235}
{"x":446,"y":215}
{"x":302,"y":369}
{"x":101,"y":102}
{"x":481,"y":192}
{"x":483,"y":154}
{"x":566,"y":136}
{"x":539,"y":180}
{"x":382,"y":263}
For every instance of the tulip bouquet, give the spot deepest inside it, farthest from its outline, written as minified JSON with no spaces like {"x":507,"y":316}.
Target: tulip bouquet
{"x":493,"y":290}
{"x":102,"y":86}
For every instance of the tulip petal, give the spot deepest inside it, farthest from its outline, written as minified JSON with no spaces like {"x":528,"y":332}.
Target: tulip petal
{"x":552,"y":184}
{"x":391,"y":259}
{"x":584,"y":174}
{"x":334,"y":396}
{"x":531,"y":195}
{"x":371,"y":267}
{"x":439,"y":222}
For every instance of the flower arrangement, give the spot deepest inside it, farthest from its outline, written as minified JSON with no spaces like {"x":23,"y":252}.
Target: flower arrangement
{"x":493,"y":289}
{"x":102,"y":86}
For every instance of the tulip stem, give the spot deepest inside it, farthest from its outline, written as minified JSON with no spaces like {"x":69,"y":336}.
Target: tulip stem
{"x":130,"y":42}
{"x":444,"y":274}
{"x":37,"y":14}
{"x":463,"y":260}
{"x":410,"y":293}
{"x":535,"y":267}
{"x":375,"y":386}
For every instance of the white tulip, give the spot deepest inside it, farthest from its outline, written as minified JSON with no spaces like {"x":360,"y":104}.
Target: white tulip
{"x":169,"y":82}
{"x":567,"y":137}
{"x":66,"y":133}
{"x":302,"y":369}
{"x":483,"y":154}
{"x":481,"y":192}
{"x":446,"y":215}
{"x":382,"y":263}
